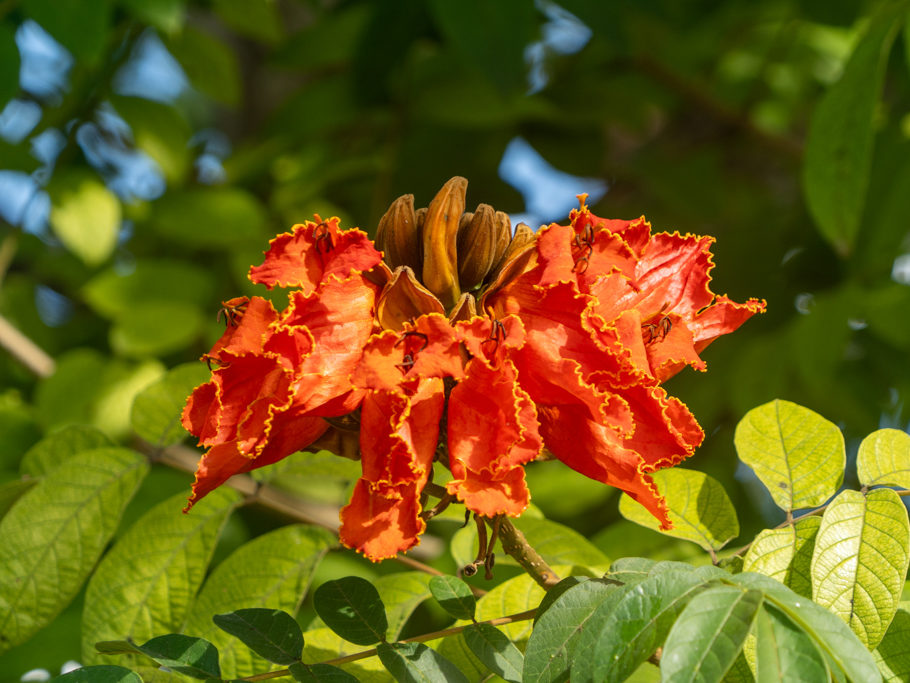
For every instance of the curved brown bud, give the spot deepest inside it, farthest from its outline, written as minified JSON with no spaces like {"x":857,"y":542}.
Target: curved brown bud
{"x":404,"y":299}
{"x":440,"y":231}
{"x":398,"y":235}
{"x":478,"y":239}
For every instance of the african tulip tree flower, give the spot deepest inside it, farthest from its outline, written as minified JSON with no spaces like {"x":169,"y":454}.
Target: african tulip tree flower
{"x":502,"y":347}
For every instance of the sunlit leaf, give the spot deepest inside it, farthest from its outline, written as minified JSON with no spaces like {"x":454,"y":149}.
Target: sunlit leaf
{"x":155,"y":328}
{"x":785,"y":554}
{"x":893,"y":652}
{"x":839,"y":146}
{"x":85,"y":215}
{"x":145,"y":585}
{"x":708,"y":635}
{"x":270,"y":633}
{"x":59,"y":446}
{"x":784,"y":652}
{"x":12,"y":491}
{"x":402,"y":593}
{"x":156,"y":411}
{"x":187,"y":655}
{"x":795,"y":452}
{"x":884,"y":459}
{"x":322,"y":644}
{"x":860,"y":563}
{"x":698,"y":507}
{"x":55,"y":533}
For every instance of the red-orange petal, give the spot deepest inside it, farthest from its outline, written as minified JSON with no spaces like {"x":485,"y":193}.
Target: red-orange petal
{"x":312,"y":252}
{"x":380,"y":521}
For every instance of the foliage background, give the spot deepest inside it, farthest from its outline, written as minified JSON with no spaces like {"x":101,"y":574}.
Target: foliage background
{"x":150,"y":149}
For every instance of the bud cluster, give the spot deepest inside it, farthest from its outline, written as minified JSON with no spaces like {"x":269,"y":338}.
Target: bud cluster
{"x":452,"y":251}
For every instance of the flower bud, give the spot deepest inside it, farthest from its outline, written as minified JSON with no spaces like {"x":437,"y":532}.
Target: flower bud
{"x":481,"y":240}
{"x":440,"y":231}
{"x":398,"y":235}
{"x":520,"y":240}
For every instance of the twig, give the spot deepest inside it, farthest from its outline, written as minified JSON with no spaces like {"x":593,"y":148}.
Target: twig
{"x":25,"y":350}
{"x":515,"y":544}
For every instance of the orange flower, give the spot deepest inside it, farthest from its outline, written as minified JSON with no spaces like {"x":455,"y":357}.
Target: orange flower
{"x":576,"y":331}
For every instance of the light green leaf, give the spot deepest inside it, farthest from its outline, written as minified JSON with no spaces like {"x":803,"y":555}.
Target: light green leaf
{"x":860,"y":562}
{"x":322,"y":644}
{"x":795,"y":452}
{"x":210,"y":65}
{"x":402,"y":593}
{"x":554,"y":640}
{"x":893,"y":654}
{"x":516,"y":595}
{"x":884,"y":459}
{"x":698,"y":507}
{"x":785,"y":554}
{"x":273,"y":570}
{"x":784,"y":652}
{"x":831,"y":635}
{"x":145,"y":585}
{"x":155,"y":328}
{"x":59,"y":446}
{"x":209,"y":217}
{"x":495,"y":650}
{"x":709,"y":634}
{"x":112,"y":293}
{"x":156,"y":411}
{"x":53,"y":536}
{"x":416,"y":663}
{"x":840,"y":142}
{"x":85,"y":215}
{"x":635,"y":626}
{"x":119,"y":384}
{"x":9,"y":64}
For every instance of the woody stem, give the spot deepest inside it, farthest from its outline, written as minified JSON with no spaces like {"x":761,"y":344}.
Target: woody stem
{"x":515,"y":544}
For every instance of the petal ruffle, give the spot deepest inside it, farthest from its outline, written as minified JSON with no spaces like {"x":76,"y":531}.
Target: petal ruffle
{"x":313,"y":251}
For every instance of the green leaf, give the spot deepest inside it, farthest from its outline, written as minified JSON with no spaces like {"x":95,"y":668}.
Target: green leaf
{"x":12,"y":491}
{"x":492,"y":647}
{"x":635,"y":627}
{"x":402,"y":593}
{"x":53,"y":536}
{"x":784,"y":652}
{"x":146,"y":583}
{"x":320,"y":673}
{"x":785,"y":554}
{"x":194,"y":657}
{"x":352,"y":608}
{"x":697,"y":504}
{"x":709,"y":634}
{"x":155,"y":329}
{"x":273,"y":570}
{"x":553,"y":641}
{"x":112,"y":293}
{"x":82,"y":28}
{"x":59,"y":446}
{"x":841,"y":133}
{"x":157,"y":409}
{"x":454,"y":595}
{"x":167,"y":15}
{"x":631,"y":569}
{"x":159,"y":130}
{"x":270,"y":633}
{"x":85,"y":215}
{"x":9,"y":64}
{"x":259,"y":19}
{"x":830,"y":634}
{"x":893,"y":654}
{"x":104,"y":673}
{"x":513,"y":596}
{"x":324,"y":644}
{"x":860,"y":562}
{"x":795,"y":452}
{"x":209,"y":217}
{"x":210,"y":65}
{"x":884,"y":459}
{"x":556,"y":591}
{"x":415,"y":662}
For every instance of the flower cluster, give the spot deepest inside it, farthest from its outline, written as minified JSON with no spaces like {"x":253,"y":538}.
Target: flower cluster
{"x":503,"y":347}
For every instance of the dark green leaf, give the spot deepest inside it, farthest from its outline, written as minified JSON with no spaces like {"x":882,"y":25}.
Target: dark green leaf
{"x":9,"y":64}
{"x":839,"y":147}
{"x":709,"y":634}
{"x":210,"y":65}
{"x":555,"y":636}
{"x":637,"y":625}
{"x":59,"y":446}
{"x":157,"y":409}
{"x":159,"y":130}
{"x":55,"y":533}
{"x":416,"y":663}
{"x":184,"y":654}
{"x":320,"y":673}
{"x":104,"y":673}
{"x":492,"y":647}
{"x":784,"y":652}
{"x":271,"y":633}
{"x":352,"y":608}
{"x":259,"y":19}
{"x":556,"y":591}
{"x":209,"y":217}
{"x":81,"y":27}
{"x":454,"y":596}
{"x":166,"y":15}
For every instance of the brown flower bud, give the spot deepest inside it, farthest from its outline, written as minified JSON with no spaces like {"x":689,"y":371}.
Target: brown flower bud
{"x":520,"y":240}
{"x":440,"y":231}
{"x":480,"y":238}
{"x":398,"y":235}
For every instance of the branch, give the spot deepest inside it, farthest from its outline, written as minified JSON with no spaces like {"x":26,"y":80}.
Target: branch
{"x":515,"y":544}
{"x":25,"y":350}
